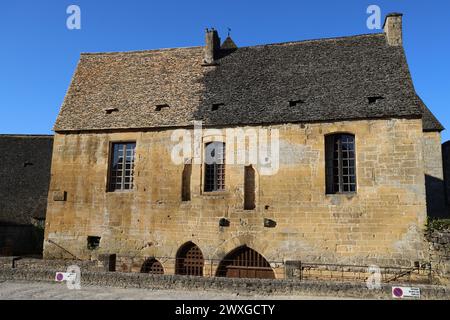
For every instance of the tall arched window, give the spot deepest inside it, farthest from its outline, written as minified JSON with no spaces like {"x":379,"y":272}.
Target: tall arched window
{"x":340,"y":163}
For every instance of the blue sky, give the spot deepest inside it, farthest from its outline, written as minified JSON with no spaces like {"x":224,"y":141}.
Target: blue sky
{"x":39,"y":54}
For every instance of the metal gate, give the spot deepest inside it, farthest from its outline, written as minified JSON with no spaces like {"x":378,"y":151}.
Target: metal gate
{"x":152,"y":266}
{"x":189,"y":260}
{"x":245,"y":262}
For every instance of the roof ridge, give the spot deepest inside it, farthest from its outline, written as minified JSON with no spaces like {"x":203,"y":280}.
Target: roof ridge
{"x":252,"y":46}
{"x":137,"y":51}
{"x":378,"y":34}
{"x":19,"y":135}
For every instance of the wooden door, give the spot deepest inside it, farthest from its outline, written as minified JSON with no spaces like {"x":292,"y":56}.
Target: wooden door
{"x":245,"y":262}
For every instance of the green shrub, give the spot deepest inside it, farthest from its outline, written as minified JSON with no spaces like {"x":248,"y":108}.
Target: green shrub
{"x":438,"y":224}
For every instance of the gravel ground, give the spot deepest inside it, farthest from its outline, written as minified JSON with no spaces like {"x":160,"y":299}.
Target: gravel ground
{"x":24,"y":290}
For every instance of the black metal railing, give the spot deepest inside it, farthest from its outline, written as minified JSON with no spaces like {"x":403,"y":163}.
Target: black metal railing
{"x":420,"y":274}
{"x":342,"y":272}
{"x":63,"y":249}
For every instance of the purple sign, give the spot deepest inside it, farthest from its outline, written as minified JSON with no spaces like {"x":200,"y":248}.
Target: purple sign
{"x":398,"y":292}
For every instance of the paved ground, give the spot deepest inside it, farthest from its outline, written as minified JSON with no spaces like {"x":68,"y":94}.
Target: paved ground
{"x":22,"y":290}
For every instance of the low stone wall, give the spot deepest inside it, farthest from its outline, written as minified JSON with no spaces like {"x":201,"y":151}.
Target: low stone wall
{"x":439,"y":241}
{"x":248,"y":286}
{"x":31,"y":264}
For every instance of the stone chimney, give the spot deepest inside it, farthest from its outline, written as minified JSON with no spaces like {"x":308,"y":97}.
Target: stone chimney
{"x":212,"y":47}
{"x":393,"y":29}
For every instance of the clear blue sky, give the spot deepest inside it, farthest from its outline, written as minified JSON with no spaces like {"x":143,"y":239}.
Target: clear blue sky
{"x":39,"y":54}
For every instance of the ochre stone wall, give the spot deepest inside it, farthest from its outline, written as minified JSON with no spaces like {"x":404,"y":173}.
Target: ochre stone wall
{"x":434,"y":174}
{"x":383,"y":223}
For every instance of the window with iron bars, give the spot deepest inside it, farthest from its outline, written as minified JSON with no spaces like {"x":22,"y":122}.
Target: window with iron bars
{"x":340,"y":163}
{"x":214,"y":167}
{"x":121,"y":174}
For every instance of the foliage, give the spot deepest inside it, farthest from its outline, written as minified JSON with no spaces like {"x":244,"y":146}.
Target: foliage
{"x":438,"y":224}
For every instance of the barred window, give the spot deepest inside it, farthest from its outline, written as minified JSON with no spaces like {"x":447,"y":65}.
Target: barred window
{"x":340,"y":163}
{"x":214,"y":166}
{"x":122,"y":166}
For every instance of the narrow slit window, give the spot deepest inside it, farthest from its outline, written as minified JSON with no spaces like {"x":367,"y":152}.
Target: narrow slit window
{"x":214,"y":167}
{"x":121,"y":176}
{"x":340,"y":163}
{"x":186,"y":183}
{"x":249,"y":188}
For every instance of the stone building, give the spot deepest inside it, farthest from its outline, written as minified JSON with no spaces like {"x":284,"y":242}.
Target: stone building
{"x":350,"y":144}
{"x":24,"y":182}
{"x":446,"y":160}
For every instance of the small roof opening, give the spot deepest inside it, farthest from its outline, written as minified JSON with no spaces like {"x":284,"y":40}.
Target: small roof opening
{"x":216,"y":106}
{"x":374,"y":99}
{"x":159,"y":107}
{"x":111,"y":110}
{"x":294,"y":103}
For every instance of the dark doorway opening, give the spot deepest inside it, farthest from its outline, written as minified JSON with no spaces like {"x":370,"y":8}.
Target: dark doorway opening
{"x":244,"y":262}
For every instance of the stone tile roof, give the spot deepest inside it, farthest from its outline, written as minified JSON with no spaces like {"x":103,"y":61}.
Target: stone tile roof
{"x":430,"y":122}
{"x":330,"y":79}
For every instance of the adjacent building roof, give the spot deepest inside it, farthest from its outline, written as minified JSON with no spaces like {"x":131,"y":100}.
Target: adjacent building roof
{"x":347,"y":78}
{"x":24,"y":177}
{"x":430,"y":122}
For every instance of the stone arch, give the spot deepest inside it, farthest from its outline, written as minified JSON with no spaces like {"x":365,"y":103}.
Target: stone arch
{"x":189,"y":260}
{"x":244,"y":262}
{"x":245,"y":239}
{"x":152,"y":266}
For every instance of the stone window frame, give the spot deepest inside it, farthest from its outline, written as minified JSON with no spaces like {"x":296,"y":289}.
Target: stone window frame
{"x":212,"y":135}
{"x":219,"y":170}
{"x":350,"y":186}
{"x":109,"y":187}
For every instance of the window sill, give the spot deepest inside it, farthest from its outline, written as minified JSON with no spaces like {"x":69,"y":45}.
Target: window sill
{"x":120,"y":192}
{"x":212,"y":194}
{"x":342,"y":194}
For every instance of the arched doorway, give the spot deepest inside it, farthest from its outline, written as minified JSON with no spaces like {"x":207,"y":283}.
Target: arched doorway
{"x":189,"y":260}
{"x":244,"y":262}
{"x":152,"y":266}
